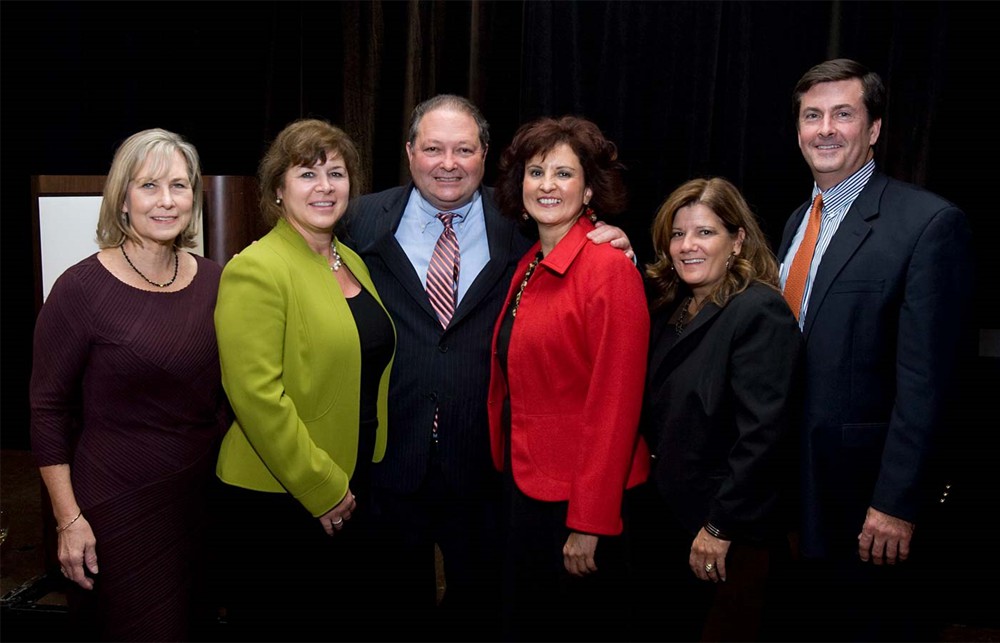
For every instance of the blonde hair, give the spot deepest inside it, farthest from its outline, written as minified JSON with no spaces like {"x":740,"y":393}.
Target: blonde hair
{"x":158,"y":145}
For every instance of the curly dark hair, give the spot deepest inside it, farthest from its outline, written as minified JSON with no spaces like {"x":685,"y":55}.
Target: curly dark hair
{"x":602,"y":172}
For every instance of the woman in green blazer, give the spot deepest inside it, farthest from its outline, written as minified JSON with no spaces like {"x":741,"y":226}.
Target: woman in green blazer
{"x":306,"y":349}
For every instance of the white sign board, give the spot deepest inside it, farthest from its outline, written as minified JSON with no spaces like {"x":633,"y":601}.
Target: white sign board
{"x":67,"y":230}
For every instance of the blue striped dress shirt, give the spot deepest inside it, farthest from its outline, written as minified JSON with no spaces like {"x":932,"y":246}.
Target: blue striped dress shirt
{"x":836,"y":202}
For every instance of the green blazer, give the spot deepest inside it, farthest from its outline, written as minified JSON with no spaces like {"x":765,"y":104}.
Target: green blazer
{"x":291,"y":366}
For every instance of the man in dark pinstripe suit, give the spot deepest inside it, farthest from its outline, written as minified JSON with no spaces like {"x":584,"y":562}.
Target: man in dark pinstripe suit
{"x":441,"y":490}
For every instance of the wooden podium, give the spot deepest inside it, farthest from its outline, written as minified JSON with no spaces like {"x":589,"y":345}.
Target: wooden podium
{"x":65,"y":220}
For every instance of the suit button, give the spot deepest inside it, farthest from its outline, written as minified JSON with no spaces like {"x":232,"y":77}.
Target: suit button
{"x":432,"y":397}
{"x":443,"y":349}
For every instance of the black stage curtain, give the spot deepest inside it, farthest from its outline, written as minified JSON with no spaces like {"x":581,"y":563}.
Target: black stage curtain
{"x":684,"y":88}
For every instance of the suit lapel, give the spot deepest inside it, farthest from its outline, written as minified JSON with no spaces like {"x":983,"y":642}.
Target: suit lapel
{"x":500,"y":232}
{"x":789,"y":233}
{"x":664,"y":358}
{"x":392,"y":254}
{"x":851,"y":233}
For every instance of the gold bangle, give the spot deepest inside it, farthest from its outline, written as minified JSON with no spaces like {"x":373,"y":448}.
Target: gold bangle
{"x":59,"y":530}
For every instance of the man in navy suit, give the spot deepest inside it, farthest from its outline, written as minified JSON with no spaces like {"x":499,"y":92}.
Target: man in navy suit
{"x":436,"y":484}
{"x":883,"y":312}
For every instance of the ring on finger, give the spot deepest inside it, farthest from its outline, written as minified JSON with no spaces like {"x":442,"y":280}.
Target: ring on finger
{"x":337,"y":522}
{"x":709,"y":567}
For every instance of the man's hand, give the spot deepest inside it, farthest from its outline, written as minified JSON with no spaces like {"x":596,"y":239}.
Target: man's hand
{"x":884,"y":538}
{"x":604,"y":233}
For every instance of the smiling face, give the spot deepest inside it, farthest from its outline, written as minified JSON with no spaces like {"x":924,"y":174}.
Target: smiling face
{"x":834,"y":131}
{"x":315,"y":197}
{"x":447,"y":161}
{"x":700,"y":245}
{"x":555,"y":189}
{"x":159,"y":200}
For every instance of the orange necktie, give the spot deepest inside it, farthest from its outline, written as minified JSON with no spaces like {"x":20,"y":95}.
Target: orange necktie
{"x":795,"y":284}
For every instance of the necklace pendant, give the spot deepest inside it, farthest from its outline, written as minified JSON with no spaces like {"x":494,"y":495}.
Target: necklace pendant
{"x":337,"y":263}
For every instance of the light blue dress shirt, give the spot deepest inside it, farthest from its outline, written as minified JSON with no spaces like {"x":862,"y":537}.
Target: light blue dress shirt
{"x":420,"y":228}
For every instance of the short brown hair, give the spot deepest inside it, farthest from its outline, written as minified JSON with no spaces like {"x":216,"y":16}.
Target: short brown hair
{"x":755,"y":263}
{"x":598,"y":156}
{"x":872,"y":88}
{"x":305,"y":142}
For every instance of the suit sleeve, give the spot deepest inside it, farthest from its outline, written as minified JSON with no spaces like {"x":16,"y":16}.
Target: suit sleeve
{"x":765,"y":381}
{"x":251,"y":319}
{"x":618,"y":327}
{"x":933,"y":317}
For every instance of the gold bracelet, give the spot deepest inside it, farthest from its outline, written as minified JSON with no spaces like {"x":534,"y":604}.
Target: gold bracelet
{"x":59,"y":530}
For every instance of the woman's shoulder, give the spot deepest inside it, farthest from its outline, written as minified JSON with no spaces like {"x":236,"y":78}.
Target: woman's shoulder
{"x":85,"y":272}
{"x":262,"y":252}
{"x":760,"y":299}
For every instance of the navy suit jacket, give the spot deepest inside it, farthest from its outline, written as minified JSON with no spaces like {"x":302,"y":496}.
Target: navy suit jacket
{"x":447,"y":368}
{"x":882,"y":333}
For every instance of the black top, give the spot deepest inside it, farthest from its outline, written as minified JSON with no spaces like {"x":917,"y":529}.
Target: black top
{"x":376,"y":336}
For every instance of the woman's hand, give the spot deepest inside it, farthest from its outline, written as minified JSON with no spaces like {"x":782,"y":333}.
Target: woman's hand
{"x":708,"y":556}
{"x":578,"y":553}
{"x":334,"y":520}
{"x":77,"y":550}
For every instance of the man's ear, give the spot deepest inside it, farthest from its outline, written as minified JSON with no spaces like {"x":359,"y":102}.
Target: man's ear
{"x":876,"y":129}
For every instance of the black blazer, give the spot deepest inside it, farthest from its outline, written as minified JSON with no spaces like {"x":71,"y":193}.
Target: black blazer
{"x":435,"y":367}
{"x":721,"y":414}
{"x":883,"y":329}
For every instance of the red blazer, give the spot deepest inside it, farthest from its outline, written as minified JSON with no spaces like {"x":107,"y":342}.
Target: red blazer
{"x":577,"y":363}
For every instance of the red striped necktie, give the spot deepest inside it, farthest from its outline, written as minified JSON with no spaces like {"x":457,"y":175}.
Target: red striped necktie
{"x":442,"y":273}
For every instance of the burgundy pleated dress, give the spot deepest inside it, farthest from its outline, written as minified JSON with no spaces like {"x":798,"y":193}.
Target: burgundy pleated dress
{"x":126,"y":389}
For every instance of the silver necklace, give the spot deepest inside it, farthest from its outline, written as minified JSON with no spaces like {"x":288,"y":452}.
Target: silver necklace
{"x":147,"y":279}
{"x":337,"y":263}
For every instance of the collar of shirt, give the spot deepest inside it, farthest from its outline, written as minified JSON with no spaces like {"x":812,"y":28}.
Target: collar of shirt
{"x":844,"y":193}
{"x":431,"y":212}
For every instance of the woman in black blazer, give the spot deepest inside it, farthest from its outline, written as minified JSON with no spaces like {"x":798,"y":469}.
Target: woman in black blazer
{"x":721,"y":397}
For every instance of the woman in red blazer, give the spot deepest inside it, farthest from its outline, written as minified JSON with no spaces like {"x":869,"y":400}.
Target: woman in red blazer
{"x":569,"y":360}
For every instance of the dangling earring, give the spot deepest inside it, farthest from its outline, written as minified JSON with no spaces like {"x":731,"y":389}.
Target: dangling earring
{"x":589,"y":213}
{"x":278,"y":201}
{"x":524,"y":214}
{"x":671,"y":267}
{"x":729,"y":259}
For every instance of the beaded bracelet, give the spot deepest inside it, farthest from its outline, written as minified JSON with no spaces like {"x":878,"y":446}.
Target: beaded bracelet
{"x":59,"y":530}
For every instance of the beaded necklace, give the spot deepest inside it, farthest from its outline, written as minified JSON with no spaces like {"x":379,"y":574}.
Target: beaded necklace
{"x":524,"y":283}
{"x":147,"y":279}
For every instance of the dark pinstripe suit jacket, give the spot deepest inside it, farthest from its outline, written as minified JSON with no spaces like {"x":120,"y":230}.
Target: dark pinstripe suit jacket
{"x":448,"y":368}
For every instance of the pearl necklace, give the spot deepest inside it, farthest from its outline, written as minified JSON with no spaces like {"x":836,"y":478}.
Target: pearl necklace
{"x":337,"y":263}
{"x":147,"y":279}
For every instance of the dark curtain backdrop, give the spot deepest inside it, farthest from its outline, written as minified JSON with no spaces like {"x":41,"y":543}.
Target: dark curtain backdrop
{"x":684,"y":88}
